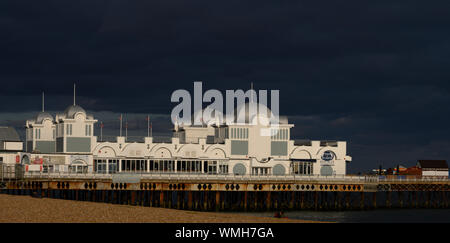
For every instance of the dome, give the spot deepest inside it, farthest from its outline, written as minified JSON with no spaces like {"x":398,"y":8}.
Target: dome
{"x":72,"y":110}
{"x":42,"y":116}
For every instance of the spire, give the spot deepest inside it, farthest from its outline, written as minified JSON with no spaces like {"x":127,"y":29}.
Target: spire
{"x":43,"y":102}
{"x":74,"y":94}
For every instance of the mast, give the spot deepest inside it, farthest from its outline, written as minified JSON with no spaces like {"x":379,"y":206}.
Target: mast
{"x":43,"y":102}
{"x":120,"y":118}
{"x":74,"y":94}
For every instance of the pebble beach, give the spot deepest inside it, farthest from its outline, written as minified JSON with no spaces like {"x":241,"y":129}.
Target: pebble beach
{"x":27,"y":209}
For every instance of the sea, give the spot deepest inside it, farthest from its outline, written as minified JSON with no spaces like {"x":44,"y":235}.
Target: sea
{"x":367,"y":216}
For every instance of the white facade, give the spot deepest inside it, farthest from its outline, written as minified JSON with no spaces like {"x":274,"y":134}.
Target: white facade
{"x":67,"y":143}
{"x":435,"y":173}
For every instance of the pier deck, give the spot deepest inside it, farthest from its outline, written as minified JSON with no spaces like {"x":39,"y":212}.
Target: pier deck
{"x":213,"y":192}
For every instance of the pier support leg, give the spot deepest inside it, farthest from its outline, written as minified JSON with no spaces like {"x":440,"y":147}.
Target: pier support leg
{"x":245,"y":200}
{"x":275,"y":203}
{"x":361,"y":203}
{"x":291,"y":205}
{"x":388,"y":199}
{"x":416,"y":199}
{"x":302,"y":200}
{"x":268,"y":201}
{"x":133,"y":198}
{"x":445,"y":199}
{"x":400,"y":198}
{"x":374,"y":199}
{"x":316,"y":198}
{"x":335,"y":200}
{"x":161,"y":199}
{"x":190,"y":200}
{"x":347,"y":200}
{"x":206,"y":200}
{"x":150,"y":198}
{"x":217,"y":200}
{"x":256,"y":200}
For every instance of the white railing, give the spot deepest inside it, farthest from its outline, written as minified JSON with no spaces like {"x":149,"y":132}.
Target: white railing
{"x":203,"y":177}
{"x":8,"y":172}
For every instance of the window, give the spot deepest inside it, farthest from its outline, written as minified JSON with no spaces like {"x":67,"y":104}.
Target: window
{"x":302,"y":168}
{"x":223,"y":169}
{"x":261,"y":171}
{"x":88,"y":130}
{"x":212,"y":167}
{"x":78,"y":167}
{"x":69,"y":129}
{"x":100,"y":166}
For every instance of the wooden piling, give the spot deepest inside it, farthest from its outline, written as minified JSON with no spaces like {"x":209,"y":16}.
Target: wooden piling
{"x":374,"y":199}
{"x":217,"y":204}
{"x":268,"y":200}
{"x":361,"y":203}
{"x":316,"y":198}
{"x":245,"y":200}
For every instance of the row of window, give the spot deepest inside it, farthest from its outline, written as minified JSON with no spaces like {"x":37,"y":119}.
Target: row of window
{"x":261,"y":171}
{"x":302,"y":168}
{"x":279,"y":134}
{"x":237,"y":133}
{"x":87,"y":130}
{"x":184,"y":166}
{"x":37,"y":134}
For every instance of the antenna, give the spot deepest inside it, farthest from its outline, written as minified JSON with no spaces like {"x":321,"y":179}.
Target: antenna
{"x":120,"y":125}
{"x":74,"y":93}
{"x":43,"y":102}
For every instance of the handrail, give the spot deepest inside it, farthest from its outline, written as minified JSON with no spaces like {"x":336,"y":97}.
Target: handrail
{"x":8,"y":172}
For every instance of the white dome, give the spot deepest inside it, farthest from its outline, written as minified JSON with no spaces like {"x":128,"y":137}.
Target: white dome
{"x":72,"y":110}
{"x":42,"y":116}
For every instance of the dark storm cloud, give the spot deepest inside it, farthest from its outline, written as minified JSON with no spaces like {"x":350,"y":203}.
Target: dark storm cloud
{"x":374,"y":74}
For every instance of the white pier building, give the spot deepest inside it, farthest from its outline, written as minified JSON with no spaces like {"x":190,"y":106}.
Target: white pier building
{"x":66,"y":143}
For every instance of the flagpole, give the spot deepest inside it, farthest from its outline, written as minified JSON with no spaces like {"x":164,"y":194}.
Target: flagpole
{"x":148,"y":125}
{"x":126,"y":131}
{"x":120,"y":125}
{"x":101,"y":131}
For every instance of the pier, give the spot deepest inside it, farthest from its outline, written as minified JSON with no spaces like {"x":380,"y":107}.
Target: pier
{"x":236,"y":193}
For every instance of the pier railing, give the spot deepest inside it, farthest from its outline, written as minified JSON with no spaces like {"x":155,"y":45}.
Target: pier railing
{"x":228,"y":177}
{"x":10,"y":172}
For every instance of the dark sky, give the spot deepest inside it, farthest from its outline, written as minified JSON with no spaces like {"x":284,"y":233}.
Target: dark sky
{"x":375,"y":74}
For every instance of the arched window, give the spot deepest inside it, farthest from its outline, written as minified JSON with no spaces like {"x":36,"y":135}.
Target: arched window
{"x":78,"y":166}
